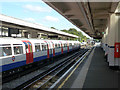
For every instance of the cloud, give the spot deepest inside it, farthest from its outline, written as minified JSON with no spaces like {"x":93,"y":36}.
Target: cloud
{"x":40,"y":1}
{"x":37,"y":8}
{"x":50,"y":18}
{"x":30,"y":19}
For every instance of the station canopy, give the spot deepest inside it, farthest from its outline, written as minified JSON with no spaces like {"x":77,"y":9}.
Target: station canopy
{"x":11,"y":22}
{"x":91,"y":17}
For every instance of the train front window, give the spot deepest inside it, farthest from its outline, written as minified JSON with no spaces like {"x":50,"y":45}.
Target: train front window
{"x":18,"y":50}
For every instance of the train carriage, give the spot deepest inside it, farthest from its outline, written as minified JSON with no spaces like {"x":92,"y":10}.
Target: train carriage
{"x":64,"y":46}
{"x":12,"y":53}
{"x":50,"y":48}
{"x":57,"y":47}
{"x":15,"y":53}
{"x":40,"y":49}
{"x":70,"y":45}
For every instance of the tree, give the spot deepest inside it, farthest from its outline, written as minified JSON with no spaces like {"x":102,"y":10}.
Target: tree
{"x":53,"y":28}
{"x":77,"y":33}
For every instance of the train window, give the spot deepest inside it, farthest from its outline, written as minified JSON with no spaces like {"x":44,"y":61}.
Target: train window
{"x":6,"y":51}
{"x":44,"y":47}
{"x":55,"y":45}
{"x":26,"y":46}
{"x":1,"y":51}
{"x":65,"y":45}
{"x":70,"y":44}
{"x":58,"y":45}
{"x":62,"y":45}
{"x":18,"y":50}
{"x":37,"y":47}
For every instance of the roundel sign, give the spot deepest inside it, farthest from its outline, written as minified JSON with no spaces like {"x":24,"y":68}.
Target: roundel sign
{"x":13,"y":58}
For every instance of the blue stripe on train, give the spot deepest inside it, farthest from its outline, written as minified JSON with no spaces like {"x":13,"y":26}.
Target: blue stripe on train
{"x":65,"y":51}
{"x":40,"y":58}
{"x":13,"y":65}
{"x":70,"y":49}
{"x":22,"y":63}
{"x":58,"y":53}
{"x":51,"y":55}
{"x":18,"y":64}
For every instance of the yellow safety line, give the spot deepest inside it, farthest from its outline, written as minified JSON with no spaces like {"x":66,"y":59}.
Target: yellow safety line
{"x":70,"y":74}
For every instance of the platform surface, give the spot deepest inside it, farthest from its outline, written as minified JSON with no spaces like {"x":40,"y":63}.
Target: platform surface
{"x":94,"y":73}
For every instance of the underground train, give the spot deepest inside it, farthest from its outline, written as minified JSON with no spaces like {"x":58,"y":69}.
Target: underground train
{"x":15,"y":52}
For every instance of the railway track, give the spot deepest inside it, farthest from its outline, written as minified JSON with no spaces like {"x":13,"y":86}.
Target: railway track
{"x":50,"y":76}
{"x":28,"y":70}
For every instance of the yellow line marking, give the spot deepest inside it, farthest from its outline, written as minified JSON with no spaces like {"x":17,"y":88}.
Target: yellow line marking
{"x":70,"y":74}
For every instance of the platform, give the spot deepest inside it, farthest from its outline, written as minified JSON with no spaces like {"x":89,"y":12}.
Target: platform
{"x":94,"y":73}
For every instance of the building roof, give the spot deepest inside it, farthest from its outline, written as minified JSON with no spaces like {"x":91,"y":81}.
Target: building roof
{"x":22,"y":24}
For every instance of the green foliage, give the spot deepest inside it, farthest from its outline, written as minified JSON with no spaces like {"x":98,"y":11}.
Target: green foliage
{"x":77,"y":33}
{"x":52,"y":27}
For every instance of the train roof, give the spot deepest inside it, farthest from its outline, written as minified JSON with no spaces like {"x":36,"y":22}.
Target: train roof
{"x":10,"y":41}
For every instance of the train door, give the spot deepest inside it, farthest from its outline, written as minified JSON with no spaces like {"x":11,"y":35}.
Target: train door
{"x":47,"y":49}
{"x":29,"y":52}
{"x":50,"y":50}
{"x":61,"y":47}
{"x":68,"y":46}
{"x":53,"y":48}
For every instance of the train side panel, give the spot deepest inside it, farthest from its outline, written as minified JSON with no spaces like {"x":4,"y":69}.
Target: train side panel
{"x":18,"y":60}
{"x":8,"y":63}
{"x":40,"y":55}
